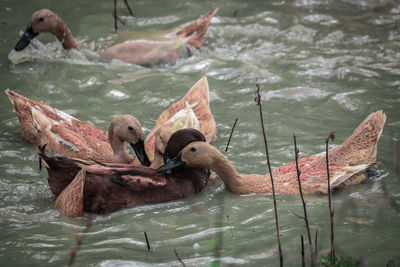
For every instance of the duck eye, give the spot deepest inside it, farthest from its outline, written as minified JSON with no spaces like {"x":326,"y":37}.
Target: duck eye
{"x":193,"y":149}
{"x":130,"y":128}
{"x":41,"y":19}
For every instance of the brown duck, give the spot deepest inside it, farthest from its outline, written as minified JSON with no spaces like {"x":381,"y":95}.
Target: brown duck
{"x":42,"y":124}
{"x":160,"y":49}
{"x":348,"y":164}
{"x":102,"y":188}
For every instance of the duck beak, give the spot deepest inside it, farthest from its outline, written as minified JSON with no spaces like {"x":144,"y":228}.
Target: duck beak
{"x":26,"y":39}
{"x":171,"y":164}
{"x":141,"y":152}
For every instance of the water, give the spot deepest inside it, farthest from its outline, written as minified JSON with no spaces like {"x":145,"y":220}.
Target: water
{"x":323,"y":66}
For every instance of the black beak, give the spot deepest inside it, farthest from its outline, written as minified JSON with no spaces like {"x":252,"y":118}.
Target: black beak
{"x":26,"y":39}
{"x":171,"y":164}
{"x":141,"y":152}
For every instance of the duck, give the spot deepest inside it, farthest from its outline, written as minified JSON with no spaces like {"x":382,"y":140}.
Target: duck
{"x":101,"y":188}
{"x":164,"y":49}
{"x":185,"y":118}
{"x":348,"y":164}
{"x":65,"y":135}
{"x":199,"y":97}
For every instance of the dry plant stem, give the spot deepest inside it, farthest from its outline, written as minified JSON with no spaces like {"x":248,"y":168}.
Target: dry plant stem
{"x":179,"y":259}
{"x":332,"y":137}
{"x":296,"y":154}
{"x":303,"y":262}
{"x":315,"y":244}
{"x":230,"y":136}
{"x":116,"y":16}
{"x":258,"y":101}
{"x":147,"y":241}
{"x":220,"y":234}
{"x":230,"y":227}
{"x":129,"y":8}
{"x":79,"y":241}
{"x":396,"y":164}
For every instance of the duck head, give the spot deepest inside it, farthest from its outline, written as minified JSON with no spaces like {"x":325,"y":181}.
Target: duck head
{"x":128,"y":128}
{"x":179,"y":140}
{"x":45,"y":20}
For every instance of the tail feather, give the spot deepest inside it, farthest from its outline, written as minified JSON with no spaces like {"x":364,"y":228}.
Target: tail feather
{"x":196,"y":31}
{"x":349,"y":175}
{"x":361,"y":147}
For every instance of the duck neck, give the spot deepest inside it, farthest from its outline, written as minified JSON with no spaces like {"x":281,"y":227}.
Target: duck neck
{"x":64,"y":35}
{"x":121,"y":155}
{"x":158,"y":160}
{"x":225,"y":170}
{"x":236,"y":182}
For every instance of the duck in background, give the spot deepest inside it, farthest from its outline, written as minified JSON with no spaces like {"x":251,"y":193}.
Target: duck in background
{"x":42,"y":124}
{"x":348,"y":164}
{"x":101,"y":188}
{"x":166,"y":48}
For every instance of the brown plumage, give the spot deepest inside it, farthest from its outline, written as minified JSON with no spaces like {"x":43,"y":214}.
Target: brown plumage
{"x":63,"y":134}
{"x":348,"y":164}
{"x":102,"y":188}
{"x":167,"y":48}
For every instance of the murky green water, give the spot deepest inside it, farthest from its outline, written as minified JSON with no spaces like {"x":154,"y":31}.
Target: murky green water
{"x":323,"y":66}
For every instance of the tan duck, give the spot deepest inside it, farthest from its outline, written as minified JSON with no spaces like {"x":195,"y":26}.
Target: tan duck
{"x":101,"y":188}
{"x":348,"y":164}
{"x":63,"y":134}
{"x":161,"y":49}
{"x":42,"y":124}
{"x":199,"y":96}
{"x":185,"y":118}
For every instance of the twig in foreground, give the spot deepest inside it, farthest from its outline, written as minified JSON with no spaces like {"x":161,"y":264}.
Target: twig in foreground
{"x":230,"y":227}
{"x":303,"y":262}
{"x":179,"y":259}
{"x":316,"y":244}
{"x":258,"y":101}
{"x":147,"y":241}
{"x":332,"y":137}
{"x":230,"y":136}
{"x":296,"y":155}
{"x":79,"y":240}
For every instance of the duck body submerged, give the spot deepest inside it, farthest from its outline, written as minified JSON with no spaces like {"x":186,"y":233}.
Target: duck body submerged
{"x":41,"y":124}
{"x":164,"y":49}
{"x":101,"y":188}
{"x":348,"y":164}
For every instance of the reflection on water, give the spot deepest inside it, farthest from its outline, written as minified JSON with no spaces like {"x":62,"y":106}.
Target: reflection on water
{"x":323,"y":66}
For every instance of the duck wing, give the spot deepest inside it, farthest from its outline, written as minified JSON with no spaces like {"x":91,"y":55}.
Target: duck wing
{"x":195,"y":32}
{"x":199,"y":94}
{"x":134,"y":178}
{"x":42,"y":124}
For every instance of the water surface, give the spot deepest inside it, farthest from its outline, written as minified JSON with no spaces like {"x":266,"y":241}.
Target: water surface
{"x":323,"y":66}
